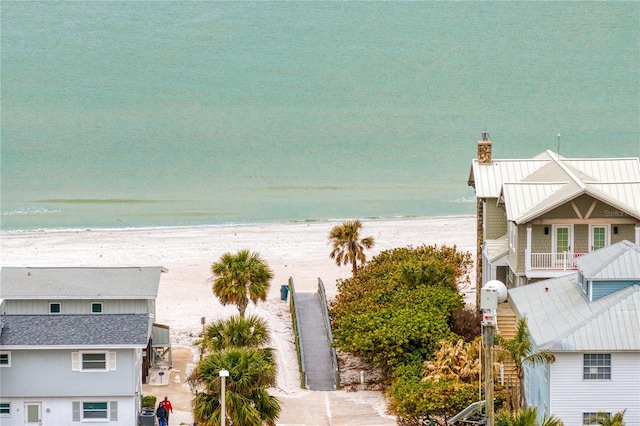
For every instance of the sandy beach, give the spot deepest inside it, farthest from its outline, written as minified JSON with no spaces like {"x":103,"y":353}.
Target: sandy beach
{"x":297,"y":250}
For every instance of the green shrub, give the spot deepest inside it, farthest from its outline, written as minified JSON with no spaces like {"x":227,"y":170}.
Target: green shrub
{"x":149,"y":401}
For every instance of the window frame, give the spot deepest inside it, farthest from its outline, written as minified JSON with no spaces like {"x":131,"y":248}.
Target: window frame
{"x":84,"y":410}
{"x":5,"y":409}
{"x":8,"y":357}
{"x":52,"y":304}
{"x":601,"y":362}
{"x":94,"y":304}
{"x":80,"y":409}
{"x":600,"y":416}
{"x":78,"y":362}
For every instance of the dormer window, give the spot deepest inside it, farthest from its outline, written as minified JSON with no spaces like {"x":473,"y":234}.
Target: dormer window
{"x":55,"y":308}
{"x":96,"y":307}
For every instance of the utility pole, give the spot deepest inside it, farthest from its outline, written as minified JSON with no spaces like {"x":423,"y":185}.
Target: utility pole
{"x":491,"y":294}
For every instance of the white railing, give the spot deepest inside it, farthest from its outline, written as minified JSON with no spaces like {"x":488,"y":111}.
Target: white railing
{"x":554,"y":261}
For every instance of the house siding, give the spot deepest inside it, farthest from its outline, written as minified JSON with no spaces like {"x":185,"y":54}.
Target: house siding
{"x":41,"y":307}
{"x":495,"y":220}
{"x":571,"y":395}
{"x":604,"y":288}
{"x":51,"y":368}
{"x":59,"y":411}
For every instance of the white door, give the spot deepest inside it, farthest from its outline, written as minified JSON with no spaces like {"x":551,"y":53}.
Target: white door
{"x":33,"y":413}
{"x":598,"y":237}
{"x":562,"y":241}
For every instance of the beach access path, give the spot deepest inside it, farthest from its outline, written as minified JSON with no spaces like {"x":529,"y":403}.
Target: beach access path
{"x":298,"y":250}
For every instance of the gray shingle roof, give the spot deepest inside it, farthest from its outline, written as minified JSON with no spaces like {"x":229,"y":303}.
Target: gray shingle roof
{"x":79,"y":283}
{"x":96,"y":330}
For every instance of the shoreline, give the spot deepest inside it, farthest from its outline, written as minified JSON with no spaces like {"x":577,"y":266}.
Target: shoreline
{"x":38,"y":231}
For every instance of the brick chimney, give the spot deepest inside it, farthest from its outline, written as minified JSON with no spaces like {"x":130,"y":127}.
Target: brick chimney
{"x":484,"y":149}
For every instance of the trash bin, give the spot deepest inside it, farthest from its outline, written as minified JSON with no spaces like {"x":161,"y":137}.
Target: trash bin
{"x":147,"y":418}
{"x":284,"y":292}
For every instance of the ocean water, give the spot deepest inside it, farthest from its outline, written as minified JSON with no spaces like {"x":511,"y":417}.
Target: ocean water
{"x":150,"y":113}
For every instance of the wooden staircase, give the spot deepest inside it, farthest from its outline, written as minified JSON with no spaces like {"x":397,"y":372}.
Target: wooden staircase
{"x":507,"y":329}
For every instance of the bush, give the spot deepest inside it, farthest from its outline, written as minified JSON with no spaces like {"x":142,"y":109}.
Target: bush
{"x":149,"y":401}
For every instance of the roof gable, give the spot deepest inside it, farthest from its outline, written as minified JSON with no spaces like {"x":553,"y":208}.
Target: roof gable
{"x":80,"y":283}
{"x":530,"y":188}
{"x":560,"y":318}
{"x":619,"y":261}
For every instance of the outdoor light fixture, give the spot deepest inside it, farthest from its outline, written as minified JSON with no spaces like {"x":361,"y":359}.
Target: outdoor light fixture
{"x":223,"y":375}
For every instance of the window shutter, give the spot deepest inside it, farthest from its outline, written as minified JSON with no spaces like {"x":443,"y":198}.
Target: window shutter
{"x":75,"y":361}
{"x":76,"y":411}
{"x":112,"y":361}
{"x":113,"y":411}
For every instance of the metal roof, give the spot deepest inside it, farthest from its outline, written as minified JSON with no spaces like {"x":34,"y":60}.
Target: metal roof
{"x":495,"y":249}
{"x":79,"y":283}
{"x":619,"y":261}
{"x":530,"y":188}
{"x":96,"y":330}
{"x":560,"y":318}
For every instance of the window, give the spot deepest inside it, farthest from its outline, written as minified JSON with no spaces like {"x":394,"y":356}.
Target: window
{"x":597,"y":367}
{"x":594,"y":418}
{"x":96,"y":308}
{"x":55,"y":308}
{"x":95,"y":410}
{"x":5,"y":409}
{"x":93,"y":361}
{"x":5,"y":359}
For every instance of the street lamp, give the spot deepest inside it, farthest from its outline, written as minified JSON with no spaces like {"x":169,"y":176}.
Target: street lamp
{"x":223,"y":375}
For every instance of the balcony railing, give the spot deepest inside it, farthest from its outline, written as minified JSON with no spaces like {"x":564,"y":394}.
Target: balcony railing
{"x":554,"y":261}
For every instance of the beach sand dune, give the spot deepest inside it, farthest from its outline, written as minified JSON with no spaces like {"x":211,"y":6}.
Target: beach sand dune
{"x":297,"y":250}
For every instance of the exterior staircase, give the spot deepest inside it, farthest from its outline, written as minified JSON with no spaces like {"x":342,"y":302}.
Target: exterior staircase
{"x":507,"y":329}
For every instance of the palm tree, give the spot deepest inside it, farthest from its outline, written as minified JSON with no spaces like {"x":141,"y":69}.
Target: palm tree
{"x":526,"y":417}
{"x":520,"y":351}
{"x":247,"y":403}
{"x":235,"y":331}
{"x":240,"y":277}
{"x":458,"y":361}
{"x":604,"y":419}
{"x":348,"y":247}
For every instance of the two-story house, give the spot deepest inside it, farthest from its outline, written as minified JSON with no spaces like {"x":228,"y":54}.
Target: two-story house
{"x":75,"y":344}
{"x":537,"y":216}
{"x":590,"y":321}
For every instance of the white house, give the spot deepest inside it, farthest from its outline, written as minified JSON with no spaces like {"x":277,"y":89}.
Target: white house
{"x":590,"y":321}
{"x":75,"y":344}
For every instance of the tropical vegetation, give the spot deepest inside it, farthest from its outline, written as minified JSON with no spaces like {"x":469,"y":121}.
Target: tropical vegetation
{"x":525,"y":417}
{"x":241,"y":277}
{"x":348,"y":247}
{"x":237,"y":345}
{"x":605,"y":419}
{"x":519,"y":350}
{"x":401,"y":312}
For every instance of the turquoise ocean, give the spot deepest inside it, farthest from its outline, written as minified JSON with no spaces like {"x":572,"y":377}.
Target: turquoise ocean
{"x":119,"y":114}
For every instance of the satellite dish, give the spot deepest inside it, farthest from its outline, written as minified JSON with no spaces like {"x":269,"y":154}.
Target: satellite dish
{"x":498,"y":287}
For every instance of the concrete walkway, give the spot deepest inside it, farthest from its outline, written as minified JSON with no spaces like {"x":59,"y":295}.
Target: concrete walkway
{"x":315,"y":343}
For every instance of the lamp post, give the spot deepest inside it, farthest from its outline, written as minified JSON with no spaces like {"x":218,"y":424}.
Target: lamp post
{"x":223,"y":375}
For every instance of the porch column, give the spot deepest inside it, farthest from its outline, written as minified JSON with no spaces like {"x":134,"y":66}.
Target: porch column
{"x":527,"y":250}
{"x":638,"y":234}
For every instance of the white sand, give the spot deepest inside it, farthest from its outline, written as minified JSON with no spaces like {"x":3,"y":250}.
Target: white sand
{"x":298,"y":250}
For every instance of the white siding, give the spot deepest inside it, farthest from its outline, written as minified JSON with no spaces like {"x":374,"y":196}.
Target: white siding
{"x":59,"y":411}
{"x":41,"y":307}
{"x":571,"y":395}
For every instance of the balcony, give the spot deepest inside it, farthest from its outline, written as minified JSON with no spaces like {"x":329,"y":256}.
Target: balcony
{"x":552,"y":262}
